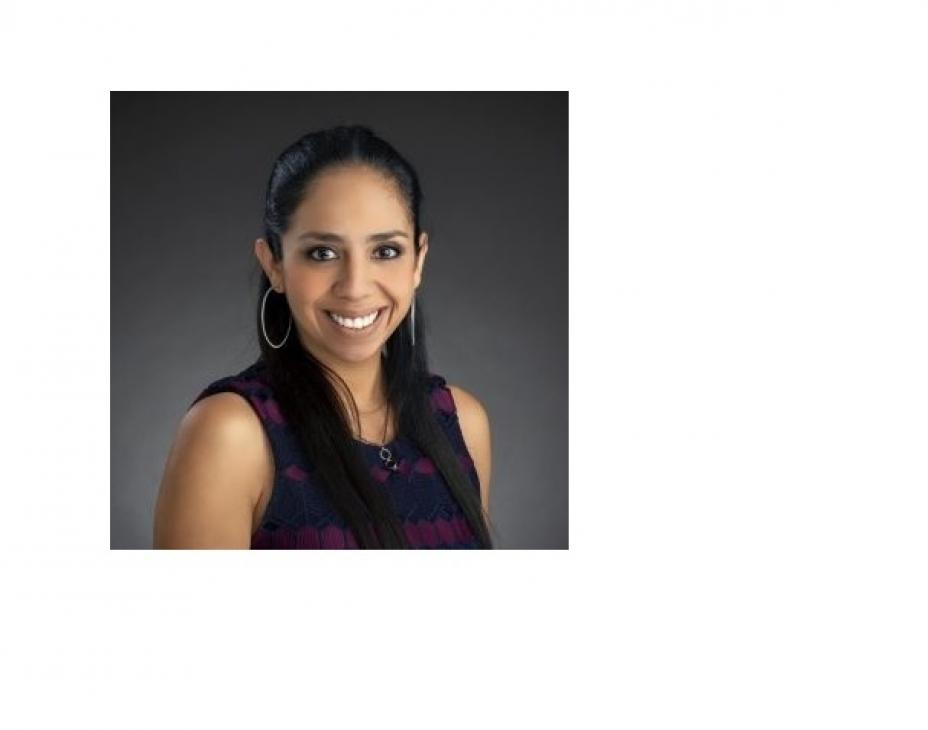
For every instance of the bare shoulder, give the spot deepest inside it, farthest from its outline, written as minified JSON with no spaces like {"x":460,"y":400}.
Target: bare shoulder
{"x":475,"y":427}
{"x":215,"y":473}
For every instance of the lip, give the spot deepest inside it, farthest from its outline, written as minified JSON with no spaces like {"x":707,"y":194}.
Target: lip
{"x":345,"y":332}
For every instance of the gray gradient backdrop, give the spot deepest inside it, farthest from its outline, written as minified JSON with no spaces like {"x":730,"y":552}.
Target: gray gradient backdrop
{"x":189,"y":171}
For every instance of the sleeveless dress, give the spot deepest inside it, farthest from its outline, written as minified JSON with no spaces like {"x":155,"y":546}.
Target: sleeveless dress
{"x":300,"y":516}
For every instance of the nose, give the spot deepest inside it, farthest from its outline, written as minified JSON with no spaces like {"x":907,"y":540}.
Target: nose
{"x":354,"y":278}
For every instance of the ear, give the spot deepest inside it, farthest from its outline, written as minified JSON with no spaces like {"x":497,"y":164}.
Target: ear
{"x":272,"y":268}
{"x":420,"y":259}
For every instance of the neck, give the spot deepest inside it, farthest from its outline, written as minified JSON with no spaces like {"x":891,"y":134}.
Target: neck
{"x":365,"y":380}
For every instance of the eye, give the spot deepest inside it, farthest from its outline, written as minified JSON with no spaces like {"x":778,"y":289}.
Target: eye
{"x":396,"y":251}
{"x":311,"y":254}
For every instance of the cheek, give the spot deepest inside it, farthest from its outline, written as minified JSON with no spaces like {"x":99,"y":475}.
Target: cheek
{"x":306,"y":284}
{"x":393,"y":281}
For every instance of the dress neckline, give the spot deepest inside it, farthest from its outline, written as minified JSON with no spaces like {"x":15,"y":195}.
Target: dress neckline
{"x":369,"y":445}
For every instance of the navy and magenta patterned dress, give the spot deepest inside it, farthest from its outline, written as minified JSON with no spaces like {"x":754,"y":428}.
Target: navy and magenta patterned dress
{"x":300,"y":516}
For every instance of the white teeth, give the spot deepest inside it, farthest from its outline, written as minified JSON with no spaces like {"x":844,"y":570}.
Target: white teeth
{"x":356,"y":322}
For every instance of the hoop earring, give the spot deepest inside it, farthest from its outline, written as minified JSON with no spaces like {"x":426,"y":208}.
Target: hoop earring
{"x":264,"y":328}
{"x":412,"y":320}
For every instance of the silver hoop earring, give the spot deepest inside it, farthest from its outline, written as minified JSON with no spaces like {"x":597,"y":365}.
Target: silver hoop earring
{"x":264,"y":328}
{"x":412,"y":320}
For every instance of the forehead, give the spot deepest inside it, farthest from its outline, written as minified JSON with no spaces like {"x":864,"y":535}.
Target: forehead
{"x":352,"y":201}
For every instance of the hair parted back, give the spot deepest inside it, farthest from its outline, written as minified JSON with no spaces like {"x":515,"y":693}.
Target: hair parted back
{"x":305,"y":388}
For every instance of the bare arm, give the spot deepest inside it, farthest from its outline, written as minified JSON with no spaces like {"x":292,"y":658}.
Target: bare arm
{"x":213,"y":476}
{"x":475,"y":427}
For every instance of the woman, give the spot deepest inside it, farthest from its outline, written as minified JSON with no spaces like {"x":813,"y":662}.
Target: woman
{"x":338,"y":435}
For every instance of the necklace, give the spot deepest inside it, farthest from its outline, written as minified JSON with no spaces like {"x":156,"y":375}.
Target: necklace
{"x":385,"y":455}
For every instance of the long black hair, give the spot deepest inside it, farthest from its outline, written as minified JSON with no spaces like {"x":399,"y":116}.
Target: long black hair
{"x":305,"y":387}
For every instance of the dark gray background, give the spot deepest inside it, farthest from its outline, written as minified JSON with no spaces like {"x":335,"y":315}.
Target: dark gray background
{"x":189,"y":171}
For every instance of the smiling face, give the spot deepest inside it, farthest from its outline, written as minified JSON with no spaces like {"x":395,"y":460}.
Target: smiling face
{"x":349,"y":252}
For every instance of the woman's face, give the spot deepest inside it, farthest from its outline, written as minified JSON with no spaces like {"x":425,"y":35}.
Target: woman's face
{"x":348,"y":252}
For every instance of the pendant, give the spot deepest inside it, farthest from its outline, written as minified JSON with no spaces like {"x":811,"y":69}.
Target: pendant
{"x":387,"y":458}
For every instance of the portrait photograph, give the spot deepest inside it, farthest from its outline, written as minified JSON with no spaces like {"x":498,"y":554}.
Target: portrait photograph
{"x":339,"y":320}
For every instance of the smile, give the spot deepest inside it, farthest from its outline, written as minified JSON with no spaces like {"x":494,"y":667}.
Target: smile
{"x":355,"y":323}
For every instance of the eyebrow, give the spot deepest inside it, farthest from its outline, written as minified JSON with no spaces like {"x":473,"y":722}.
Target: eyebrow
{"x":335,"y":238}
